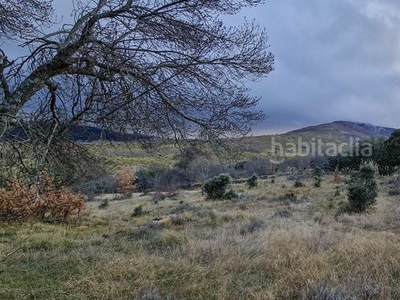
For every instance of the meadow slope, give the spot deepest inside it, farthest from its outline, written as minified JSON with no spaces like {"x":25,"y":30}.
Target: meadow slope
{"x":274,"y":242}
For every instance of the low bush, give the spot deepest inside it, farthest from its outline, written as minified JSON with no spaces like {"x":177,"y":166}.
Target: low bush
{"x":298,"y":184}
{"x":43,"y":201}
{"x":252,"y":182}
{"x":230,"y":195}
{"x":104,"y":204}
{"x":363,"y":189}
{"x":158,"y":196}
{"x":215,"y":188}
{"x":145,"y":180}
{"x":395,"y":187}
{"x":126,"y":181}
{"x":317,"y":177}
{"x":138,"y":211}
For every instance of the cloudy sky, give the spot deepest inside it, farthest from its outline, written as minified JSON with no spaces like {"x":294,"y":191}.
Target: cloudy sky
{"x":335,"y":60}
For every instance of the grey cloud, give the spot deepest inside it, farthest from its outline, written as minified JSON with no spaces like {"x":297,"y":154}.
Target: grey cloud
{"x":334,"y":60}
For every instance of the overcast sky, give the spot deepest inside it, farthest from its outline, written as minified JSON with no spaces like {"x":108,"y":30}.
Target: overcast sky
{"x":335,"y":60}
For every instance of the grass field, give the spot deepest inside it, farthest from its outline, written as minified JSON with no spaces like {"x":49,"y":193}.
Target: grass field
{"x":274,"y":242}
{"x":122,"y":155}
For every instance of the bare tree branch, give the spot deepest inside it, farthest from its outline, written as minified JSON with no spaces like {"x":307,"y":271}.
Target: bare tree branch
{"x":21,"y":19}
{"x":168,"y":68}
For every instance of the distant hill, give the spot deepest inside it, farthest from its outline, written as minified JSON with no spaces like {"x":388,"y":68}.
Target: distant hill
{"x":335,"y":132}
{"x":344,"y":129}
{"x":85,"y":134}
{"x":94,"y":134}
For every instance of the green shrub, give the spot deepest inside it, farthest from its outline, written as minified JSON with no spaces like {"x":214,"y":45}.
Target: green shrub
{"x":252,"y":182}
{"x":363,"y":189}
{"x":104,"y":204}
{"x":138,"y":211}
{"x":215,"y":188}
{"x":231,"y":195}
{"x":317,"y":182}
{"x":145,"y":180}
{"x":298,"y":184}
{"x":317,"y":177}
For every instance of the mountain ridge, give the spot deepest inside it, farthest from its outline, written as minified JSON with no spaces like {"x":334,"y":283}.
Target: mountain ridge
{"x":336,"y":129}
{"x":346,"y":129}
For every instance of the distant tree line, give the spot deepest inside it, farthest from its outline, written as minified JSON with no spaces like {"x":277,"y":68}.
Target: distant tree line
{"x":385,"y":153}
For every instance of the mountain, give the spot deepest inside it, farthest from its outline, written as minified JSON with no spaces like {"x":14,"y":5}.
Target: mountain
{"x":344,"y":129}
{"x":93,"y":134}
{"x":83,"y":134}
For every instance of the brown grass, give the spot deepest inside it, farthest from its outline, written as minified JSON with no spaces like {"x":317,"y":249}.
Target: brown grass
{"x":211,"y":250}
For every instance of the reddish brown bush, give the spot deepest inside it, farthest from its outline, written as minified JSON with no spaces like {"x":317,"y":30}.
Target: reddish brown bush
{"x":21,"y":202}
{"x":16,"y":201}
{"x":126,"y":181}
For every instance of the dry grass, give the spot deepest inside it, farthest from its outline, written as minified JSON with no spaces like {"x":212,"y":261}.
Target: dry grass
{"x":265,"y":245}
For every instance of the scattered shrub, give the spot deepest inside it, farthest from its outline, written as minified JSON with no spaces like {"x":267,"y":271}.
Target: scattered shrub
{"x":298,"y":184}
{"x":42,"y":201}
{"x":170,"y":190}
{"x":158,"y":196}
{"x":252,"y":182}
{"x":104,"y":204}
{"x":395,"y":188}
{"x":317,"y":177}
{"x":317,"y":182}
{"x":138,"y":211}
{"x":215,"y":188}
{"x":394,"y":191}
{"x":105,"y":184}
{"x":125,"y":181}
{"x":145,"y":180}
{"x":338,"y":178}
{"x":289,"y":197}
{"x":231,"y":195}
{"x":363,"y":190}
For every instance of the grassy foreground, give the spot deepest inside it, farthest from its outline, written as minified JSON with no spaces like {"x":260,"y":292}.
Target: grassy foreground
{"x":274,"y":242}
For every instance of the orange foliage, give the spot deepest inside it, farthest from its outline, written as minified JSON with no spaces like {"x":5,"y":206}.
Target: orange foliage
{"x":126,"y":181}
{"x":21,"y":202}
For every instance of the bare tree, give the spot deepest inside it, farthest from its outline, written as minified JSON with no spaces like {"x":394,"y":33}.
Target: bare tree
{"x":22,"y":19}
{"x":167,"y":68}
